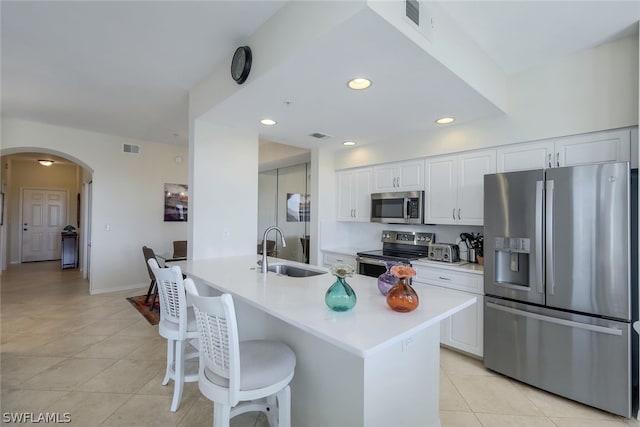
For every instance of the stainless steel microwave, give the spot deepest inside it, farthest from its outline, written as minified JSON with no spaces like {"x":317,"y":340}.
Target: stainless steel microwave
{"x":404,"y":207}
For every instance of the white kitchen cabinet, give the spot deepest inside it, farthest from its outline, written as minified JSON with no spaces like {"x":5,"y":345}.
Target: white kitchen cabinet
{"x":463,"y":330}
{"x":331,"y":258}
{"x":354,"y":195}
{"x":402,"y":176}
{"x":455,"y":187}
{"x":597,"y":147}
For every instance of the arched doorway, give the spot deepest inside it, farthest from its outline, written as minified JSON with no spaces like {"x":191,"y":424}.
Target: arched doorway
{"x":66,"y":177}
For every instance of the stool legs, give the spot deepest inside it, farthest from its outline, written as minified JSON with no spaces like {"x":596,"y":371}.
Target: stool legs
{"x":171,"y":351}
{"x":221,"y":415}
{"x":284,"y":407}
{"x":178,"y":379}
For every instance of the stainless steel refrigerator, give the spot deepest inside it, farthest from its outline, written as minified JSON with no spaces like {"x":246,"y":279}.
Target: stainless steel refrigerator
{"x":559,"y":298}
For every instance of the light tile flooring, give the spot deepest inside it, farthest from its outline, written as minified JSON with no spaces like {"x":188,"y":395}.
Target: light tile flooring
{"x":96,"y":358}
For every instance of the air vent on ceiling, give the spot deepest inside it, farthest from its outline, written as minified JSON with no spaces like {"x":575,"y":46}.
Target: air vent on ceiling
{"x":412,"y":10}
{"x":319,"y":135}
{"x":131,"y":148}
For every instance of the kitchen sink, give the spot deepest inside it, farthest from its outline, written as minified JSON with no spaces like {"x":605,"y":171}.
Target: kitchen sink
{"x":293,"y":271}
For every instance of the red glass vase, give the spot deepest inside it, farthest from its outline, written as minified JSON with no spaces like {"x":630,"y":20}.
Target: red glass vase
{"x":402,"y":297}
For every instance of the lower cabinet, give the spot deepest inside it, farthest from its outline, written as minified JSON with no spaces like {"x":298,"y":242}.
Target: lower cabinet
{"x":464,"y":330}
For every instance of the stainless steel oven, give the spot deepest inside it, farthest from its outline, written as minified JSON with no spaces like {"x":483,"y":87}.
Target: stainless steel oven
{"x":397,"y":246}
{"x":371,"y":267}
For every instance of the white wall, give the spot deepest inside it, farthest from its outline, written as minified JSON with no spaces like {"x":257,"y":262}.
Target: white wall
{"x":223,"y":181}
{"x":127,"y":195}
{"x":592,"y":90}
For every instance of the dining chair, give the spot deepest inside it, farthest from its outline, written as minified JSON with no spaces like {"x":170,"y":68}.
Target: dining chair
{"x":177,"y":325}
{"x":271,"y":248}
{"x":239,"y":376}
{"x":149,"y":254}
{"x":179,"y":248}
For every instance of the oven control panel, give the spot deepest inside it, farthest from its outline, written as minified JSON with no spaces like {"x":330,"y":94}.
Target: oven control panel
{"x":408,"y":237}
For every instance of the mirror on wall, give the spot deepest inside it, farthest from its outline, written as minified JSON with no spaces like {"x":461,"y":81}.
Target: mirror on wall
{"x":284,"y":200}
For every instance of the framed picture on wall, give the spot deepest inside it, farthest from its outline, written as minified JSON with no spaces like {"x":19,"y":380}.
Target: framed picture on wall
{"x":176,"y":202}
{"x":298,"y":209}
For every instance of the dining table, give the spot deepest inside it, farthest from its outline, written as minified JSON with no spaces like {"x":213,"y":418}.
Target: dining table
{"x":170,"y":257}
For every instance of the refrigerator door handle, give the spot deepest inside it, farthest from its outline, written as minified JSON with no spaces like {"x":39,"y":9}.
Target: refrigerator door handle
{"x":563,"y":322}
{"x":550,"y":267}
{"x":539,"y":239}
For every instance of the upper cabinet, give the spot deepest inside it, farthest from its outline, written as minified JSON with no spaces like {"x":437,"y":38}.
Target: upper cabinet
{"x":597,"y":147}
{"x":401,"y":176}
{"x":354,"y":195}
{"x":455,"y":187}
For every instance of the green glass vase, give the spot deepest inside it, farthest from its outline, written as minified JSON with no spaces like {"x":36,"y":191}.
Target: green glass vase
{"x":340,"y":296}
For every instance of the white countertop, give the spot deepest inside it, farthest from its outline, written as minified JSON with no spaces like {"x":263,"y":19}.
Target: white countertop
{"x":345,"y":250}
{"x":462,"y":266}
{"x":369,"y":327}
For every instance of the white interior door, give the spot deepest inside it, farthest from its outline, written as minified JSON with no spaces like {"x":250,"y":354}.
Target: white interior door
{"x":44,"y":213}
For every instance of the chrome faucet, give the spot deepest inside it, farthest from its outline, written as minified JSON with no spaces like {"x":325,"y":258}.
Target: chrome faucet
{"x":264,"y":265}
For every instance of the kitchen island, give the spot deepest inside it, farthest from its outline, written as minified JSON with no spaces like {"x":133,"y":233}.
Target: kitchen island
{"x":369,"y":366}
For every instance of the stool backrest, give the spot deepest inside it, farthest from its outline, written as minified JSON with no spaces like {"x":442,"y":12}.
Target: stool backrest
{"x":219,"y":343}
{"x":149,"y":254}
{"x":173,"y":299}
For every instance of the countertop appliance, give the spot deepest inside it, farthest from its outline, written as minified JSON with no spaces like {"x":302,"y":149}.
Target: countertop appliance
{"x":400,"y":207}
{"x":399,"y":246}
{"x":446,"y":252}
{"x":560,"y":287}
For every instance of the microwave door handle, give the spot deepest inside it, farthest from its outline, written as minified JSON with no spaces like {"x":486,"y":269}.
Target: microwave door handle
{"x":407,"y":203}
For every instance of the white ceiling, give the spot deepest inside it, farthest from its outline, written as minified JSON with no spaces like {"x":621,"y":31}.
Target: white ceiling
{"x":125,"y":67}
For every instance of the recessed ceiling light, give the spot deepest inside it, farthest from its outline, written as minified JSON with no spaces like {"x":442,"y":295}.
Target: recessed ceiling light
{"x":45,"y":162}
{"x":445,"y":120}
{"x":268,"y":122}
{"x":359,"y":83}
{"x":348,"y":143}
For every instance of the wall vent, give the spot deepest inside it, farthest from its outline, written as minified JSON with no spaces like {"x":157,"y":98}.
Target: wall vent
{"x":319,"y":135}
{"x":131,"y":148}
{"x":412,"y":10}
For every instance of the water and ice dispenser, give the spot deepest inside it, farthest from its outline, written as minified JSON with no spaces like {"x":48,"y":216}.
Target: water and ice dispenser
{"x":512,"y":259}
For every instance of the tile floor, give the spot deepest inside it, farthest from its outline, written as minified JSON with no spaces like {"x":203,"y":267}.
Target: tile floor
{"x":96,"y":358}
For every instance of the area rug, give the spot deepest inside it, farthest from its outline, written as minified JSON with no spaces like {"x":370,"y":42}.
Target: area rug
{"x":152,"y":316}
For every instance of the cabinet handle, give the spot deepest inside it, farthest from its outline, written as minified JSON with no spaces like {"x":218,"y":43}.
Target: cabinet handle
{"x":549,"y":158}
{"x":453,"y":213}
{"x":459,"y":214}
{"x":558,"y":159}
{"x":353,"y":213}
{"x":443,"y":278}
